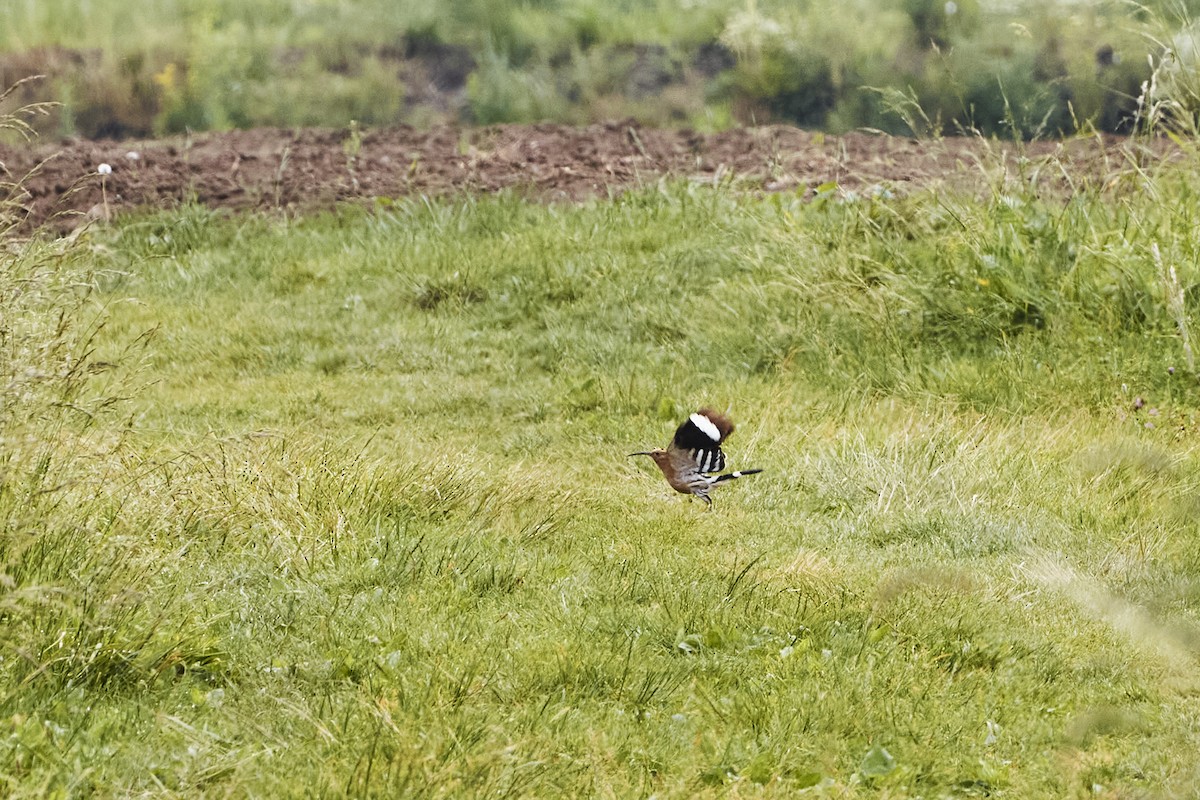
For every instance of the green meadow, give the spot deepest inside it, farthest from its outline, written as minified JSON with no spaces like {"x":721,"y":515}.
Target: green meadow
{"x":1018,"y":68}
{"x":341,"y":505}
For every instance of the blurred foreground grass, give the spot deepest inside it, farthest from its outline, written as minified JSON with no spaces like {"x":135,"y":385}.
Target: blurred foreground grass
{"x":340,"y":505}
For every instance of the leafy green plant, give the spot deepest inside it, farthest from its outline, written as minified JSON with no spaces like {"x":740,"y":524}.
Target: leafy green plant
{"x":496,"y":92}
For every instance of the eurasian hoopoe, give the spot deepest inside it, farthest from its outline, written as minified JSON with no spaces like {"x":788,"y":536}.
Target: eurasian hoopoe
{"x":695,"y":453}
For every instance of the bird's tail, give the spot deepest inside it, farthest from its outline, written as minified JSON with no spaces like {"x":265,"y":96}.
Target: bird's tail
{"x":729,"y":476}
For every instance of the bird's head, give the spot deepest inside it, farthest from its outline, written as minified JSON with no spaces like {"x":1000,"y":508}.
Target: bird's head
{"x":659,"y":455}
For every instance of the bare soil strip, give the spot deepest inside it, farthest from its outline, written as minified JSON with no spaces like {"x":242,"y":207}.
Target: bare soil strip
{"x":307,"y":170}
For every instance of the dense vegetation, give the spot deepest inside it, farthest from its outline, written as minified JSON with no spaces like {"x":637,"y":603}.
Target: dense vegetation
{"x":138,"y":67}
{"x":341,"y":506}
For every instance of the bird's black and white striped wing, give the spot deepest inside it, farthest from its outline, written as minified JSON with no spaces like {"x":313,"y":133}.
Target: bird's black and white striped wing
{"x":701,"y":437}
{"x":710,"y":460}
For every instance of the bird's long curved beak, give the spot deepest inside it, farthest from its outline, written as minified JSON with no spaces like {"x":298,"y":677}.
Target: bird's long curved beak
{"x":640,"y":453}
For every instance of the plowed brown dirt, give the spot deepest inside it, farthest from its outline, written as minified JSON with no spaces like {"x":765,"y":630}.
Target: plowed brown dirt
{"x":304,"y":170}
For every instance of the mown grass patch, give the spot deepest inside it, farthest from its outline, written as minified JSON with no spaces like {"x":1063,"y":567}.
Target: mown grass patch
{"x":340,"y":505}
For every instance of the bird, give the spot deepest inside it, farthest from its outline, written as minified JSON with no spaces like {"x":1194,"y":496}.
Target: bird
{"x":694,"y":454}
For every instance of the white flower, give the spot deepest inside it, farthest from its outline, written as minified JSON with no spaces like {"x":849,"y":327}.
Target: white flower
{"x":951,"y":8}
{"x":104,"y":169}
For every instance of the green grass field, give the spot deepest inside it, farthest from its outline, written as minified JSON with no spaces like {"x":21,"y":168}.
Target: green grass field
{"x":341,"y":506}
{"x":1019,"y":68}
